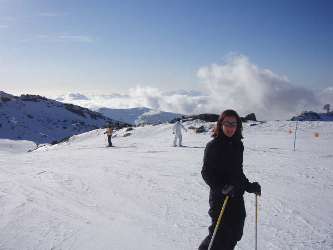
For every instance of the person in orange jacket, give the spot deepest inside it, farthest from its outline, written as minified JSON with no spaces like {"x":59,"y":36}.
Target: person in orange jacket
{"x":109,"y":131}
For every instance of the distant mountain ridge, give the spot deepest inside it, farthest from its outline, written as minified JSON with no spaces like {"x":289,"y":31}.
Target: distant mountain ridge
{"x":139,"y":116}
{"x":42,"y":120}
{"x":313,"y":116}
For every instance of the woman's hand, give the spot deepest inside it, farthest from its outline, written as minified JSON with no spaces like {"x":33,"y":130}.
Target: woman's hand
{"x":255,"y":188}
{"x":228,"y":190}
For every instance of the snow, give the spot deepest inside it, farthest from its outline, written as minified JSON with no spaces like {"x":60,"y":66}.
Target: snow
{"x":10,"y":146}
{"x":146,"y":194}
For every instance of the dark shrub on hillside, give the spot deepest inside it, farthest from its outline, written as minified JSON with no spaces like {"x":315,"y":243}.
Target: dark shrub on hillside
{"x":83,"y":111}
{"x":95,"y":115}
{"x":4,"y":99}
{"x":33,"y":98}
{"x":307,"y":116}
{"x":249,"y":117}
{"x":201,"y":129}
{"x":208,"y":117}
{"x":202,"y":117}
{"x":74,"y":109}
{"x":65,"y":139}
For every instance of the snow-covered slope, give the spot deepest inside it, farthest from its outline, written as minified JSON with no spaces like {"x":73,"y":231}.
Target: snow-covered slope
{"x":11,"y":146}
{"x":145,"y":194}
{"x":43,"y":120}
{"x":137,"y":116}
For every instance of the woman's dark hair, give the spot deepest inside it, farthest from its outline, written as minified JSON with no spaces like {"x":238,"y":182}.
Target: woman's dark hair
{"x":218,"y":128}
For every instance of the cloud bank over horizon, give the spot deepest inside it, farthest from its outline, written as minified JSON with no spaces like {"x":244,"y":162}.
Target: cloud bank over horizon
{"x":237,"y":83}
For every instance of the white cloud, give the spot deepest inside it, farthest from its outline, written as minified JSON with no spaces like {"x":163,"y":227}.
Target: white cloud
{"x":4,"y":26}
{"x":237,"y":83}
{"x":326,"y":96}
{"x":178,"y":102}
{"x":73,"y":96}
{"x":243,"y":86}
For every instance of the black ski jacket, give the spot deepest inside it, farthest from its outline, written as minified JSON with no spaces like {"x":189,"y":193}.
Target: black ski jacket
{"x":223,"y":164}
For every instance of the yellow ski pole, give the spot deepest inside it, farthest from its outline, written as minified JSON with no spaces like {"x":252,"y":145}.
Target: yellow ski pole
{"x":218,"y":222}
{"x":256,"y":224}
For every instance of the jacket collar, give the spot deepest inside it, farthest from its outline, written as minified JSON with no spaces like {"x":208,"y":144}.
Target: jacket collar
{"x":225,"y":138}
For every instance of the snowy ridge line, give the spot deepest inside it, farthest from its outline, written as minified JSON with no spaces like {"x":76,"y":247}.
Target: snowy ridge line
{"x":42,"y":120}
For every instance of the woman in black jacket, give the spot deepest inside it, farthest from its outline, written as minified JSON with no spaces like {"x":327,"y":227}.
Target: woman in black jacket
{"x":223,"y":171}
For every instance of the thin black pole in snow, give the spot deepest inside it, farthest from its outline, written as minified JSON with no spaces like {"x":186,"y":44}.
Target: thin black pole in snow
{"x":256,"y":224}
{"x":295,"y":135}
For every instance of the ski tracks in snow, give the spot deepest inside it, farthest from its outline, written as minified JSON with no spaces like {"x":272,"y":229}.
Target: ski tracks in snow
{"x":145,"y":194}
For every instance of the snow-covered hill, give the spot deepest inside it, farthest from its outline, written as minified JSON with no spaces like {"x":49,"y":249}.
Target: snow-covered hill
{"x":43,"y":120}
{"x":145,"y":194}
{"x":138,"y":116}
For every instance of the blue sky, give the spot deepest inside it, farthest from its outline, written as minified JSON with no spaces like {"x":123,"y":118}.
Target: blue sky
{"x":110,"y":46}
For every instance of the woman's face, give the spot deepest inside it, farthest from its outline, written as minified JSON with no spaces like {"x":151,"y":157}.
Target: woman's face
{"x":229,"y":125}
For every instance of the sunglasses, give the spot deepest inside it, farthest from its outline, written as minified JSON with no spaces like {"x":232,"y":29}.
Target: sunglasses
{"x":229,"y":124}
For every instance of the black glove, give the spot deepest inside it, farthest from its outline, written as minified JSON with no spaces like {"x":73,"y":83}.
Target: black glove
{"x":228,"y":190}
{"x":255,"y":188}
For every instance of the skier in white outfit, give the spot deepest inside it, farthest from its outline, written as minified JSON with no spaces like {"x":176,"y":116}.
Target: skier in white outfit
{"x":177,"y":130}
